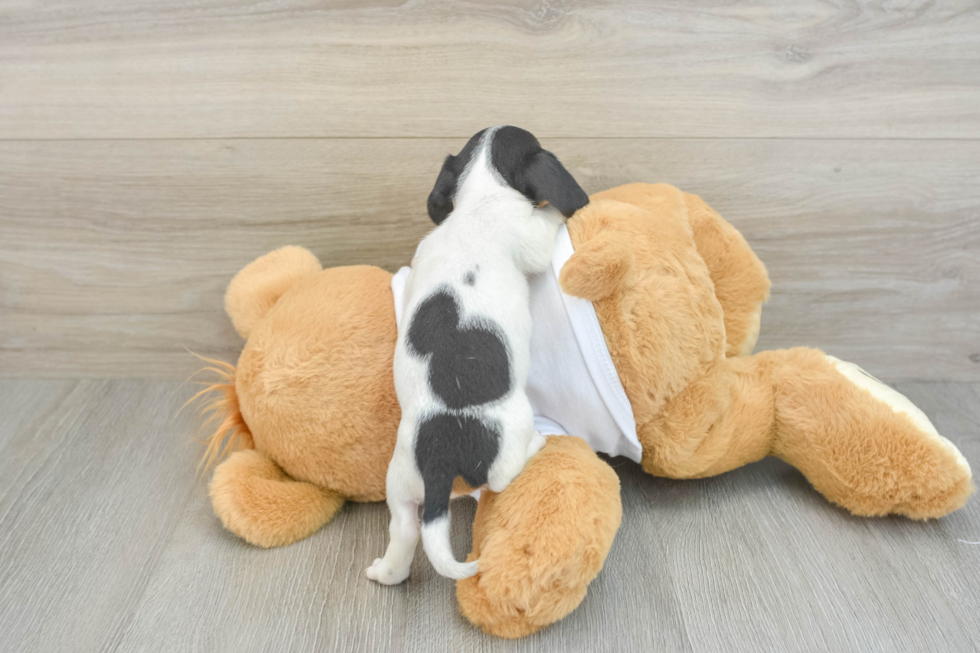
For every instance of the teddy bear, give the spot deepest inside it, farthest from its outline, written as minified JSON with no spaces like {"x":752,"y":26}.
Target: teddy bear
{"x":308,"y":416}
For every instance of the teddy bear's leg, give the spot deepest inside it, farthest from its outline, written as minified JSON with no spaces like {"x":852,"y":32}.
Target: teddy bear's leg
{"x":859,"y":442}
{"x":257,"y":501}
{"x":542,"y":540}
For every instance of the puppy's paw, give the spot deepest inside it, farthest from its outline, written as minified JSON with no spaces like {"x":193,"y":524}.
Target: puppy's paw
{"x":536,"y":444}
{"x":382,"y":572}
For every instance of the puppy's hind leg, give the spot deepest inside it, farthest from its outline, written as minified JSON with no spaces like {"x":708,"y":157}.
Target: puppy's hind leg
{"x":393,"y":568}
{"x":403,"y":532}
{"x":518,"y":442}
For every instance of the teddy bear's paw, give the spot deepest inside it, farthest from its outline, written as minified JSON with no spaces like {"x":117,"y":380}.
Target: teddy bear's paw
{"x":862,"y":444}
{"x":898,"y":403}
{"x":382,"y":572}
{"x":922,"y":474}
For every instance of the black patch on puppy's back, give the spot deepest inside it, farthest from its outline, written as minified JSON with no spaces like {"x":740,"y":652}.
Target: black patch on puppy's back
{"x":468,"y":364}
{"x":448,"y":446}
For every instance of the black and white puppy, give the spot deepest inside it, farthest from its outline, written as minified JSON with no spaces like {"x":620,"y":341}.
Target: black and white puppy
{"x":463,"y":351}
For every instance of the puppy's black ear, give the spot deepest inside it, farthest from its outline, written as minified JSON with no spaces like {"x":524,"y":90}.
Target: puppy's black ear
{"x":441,"y":197}
{"x":546,"y":180}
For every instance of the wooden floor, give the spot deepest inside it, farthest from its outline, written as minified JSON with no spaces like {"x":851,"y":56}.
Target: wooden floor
{"x":109,"y":544}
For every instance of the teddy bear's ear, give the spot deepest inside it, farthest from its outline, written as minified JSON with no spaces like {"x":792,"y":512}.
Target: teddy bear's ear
{"x":259,"y":285}
{"x":598,"y":268}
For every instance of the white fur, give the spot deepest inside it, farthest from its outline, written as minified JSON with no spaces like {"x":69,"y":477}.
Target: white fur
{"x":496,"y":228}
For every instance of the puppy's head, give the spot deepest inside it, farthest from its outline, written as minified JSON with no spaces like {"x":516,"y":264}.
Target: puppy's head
{"x":518,"y":159}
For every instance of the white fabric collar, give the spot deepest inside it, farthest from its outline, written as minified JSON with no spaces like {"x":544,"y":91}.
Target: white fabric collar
{"x":573,"y":384}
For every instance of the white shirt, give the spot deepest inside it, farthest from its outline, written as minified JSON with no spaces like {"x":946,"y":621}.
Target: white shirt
{"x":573,"y":384}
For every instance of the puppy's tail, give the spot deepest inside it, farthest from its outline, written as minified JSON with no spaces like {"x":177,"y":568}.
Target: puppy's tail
{"x":435,"y":540}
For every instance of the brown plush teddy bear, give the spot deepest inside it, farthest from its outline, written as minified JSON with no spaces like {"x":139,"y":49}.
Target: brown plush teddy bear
{"x":311,"y":415}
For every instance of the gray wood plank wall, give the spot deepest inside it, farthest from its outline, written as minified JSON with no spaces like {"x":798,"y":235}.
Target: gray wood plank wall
{"x":148,"y":150}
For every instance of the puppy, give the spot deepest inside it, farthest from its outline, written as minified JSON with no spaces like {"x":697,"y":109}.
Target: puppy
{"x":463,"y":351}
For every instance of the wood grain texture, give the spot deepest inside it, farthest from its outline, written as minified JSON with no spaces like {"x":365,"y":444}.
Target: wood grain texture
{"x":91,"y":485}
{"x":108,"y":543}
{"x":115,"y":254}
{"x":762,"y":561}
{"x":149,"y":150}
{"x":241,"y":68}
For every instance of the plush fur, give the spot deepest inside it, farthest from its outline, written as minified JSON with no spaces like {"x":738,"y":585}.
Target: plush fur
{"x":536,"y":564}
{"x":670,"y":279}
{"x":701,"y":412}
{"x":261,"y":283}
{"x":315,"y":385}
{"x":255,"y":499}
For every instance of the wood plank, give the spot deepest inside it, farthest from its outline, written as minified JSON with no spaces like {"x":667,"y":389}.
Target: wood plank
{"x":760,"y":561}
{"x":90,"y":489}
{"x":116,"y":254}
{"x":755,"y":559}
{"x":107,"y":543}
{"x":23,"y":406}
{"x":208,"y":68}
{"x":214,"y":592}
{"x":949,"y":552}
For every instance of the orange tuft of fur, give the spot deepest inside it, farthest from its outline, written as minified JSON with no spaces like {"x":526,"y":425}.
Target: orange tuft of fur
{"x":231,"y":433}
